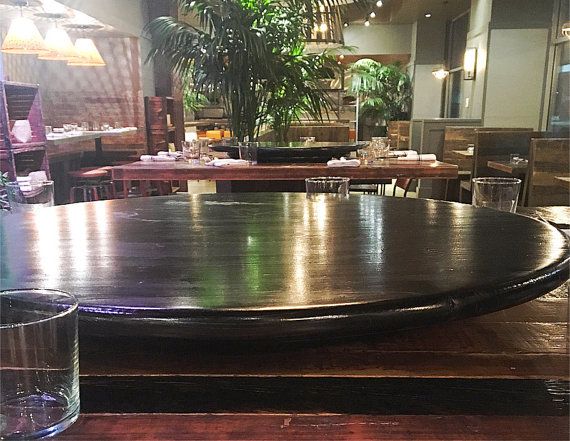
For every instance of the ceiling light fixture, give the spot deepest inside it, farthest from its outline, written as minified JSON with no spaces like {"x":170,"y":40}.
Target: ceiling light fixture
{"x":427,"y":15}
{"x":379,"y":4}
{"x":366,"y":22}
{"x":440,"y":73}
{"x":23,"y":36}
{"x":372,"y":14}
{"x":326,"y":32}
{"x":58,"y":46}
{"x":87,"y":54}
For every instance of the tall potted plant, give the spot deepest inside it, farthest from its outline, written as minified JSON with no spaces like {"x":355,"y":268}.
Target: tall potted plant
{"x":385,"y":91}
{"x":242,"y":49}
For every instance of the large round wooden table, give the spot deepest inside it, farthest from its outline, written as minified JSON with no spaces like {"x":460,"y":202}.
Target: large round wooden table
{"x":278,"y":265}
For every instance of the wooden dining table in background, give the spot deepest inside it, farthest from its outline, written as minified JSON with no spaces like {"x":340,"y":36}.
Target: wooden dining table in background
{"x":182,"y":170}
{"x":516,"y":169}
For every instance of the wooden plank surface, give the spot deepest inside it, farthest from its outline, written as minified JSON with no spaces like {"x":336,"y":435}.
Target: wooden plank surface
{"x":517,"y":170}
{"x":176,"y":427}
{"x":183,"y":170}
{"x":528,"y":341}
{"x":563,"y":181}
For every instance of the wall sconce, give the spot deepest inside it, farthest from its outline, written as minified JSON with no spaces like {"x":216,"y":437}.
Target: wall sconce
{"x":440,"y":73}
{"x":469,"y":63}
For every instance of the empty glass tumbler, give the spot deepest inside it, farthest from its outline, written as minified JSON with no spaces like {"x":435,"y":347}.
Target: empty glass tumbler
{"x":329,"y":186}
{"x":39,"y":367}
{"x":191,"y":151}
{"x":29,"y":195}
{"x":497,"y":193}
{"x":248,"y":151}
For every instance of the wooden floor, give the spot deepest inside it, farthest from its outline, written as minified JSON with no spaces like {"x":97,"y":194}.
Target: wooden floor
{"x":276,"y":427}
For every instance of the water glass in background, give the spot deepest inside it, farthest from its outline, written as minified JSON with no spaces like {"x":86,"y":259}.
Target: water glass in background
{"x":39,"y":369}
{"x":380,"y":147}
{"x":327,"y":186}
{"x":363,"y":155}
{"x":84,"y":126}
{"x":191,"y":151}
{"x":29,"y":195}
{"x":49,"y":130}
{"x":248,"y":151}
{"x":67,"y":128}
{"x":118,"y":125}
{"x":105,"y":127}
{"x":307,"y":140}
{"x":497,"y":193}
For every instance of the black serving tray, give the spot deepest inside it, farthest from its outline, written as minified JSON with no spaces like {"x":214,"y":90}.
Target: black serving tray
{"x":293,"y":152}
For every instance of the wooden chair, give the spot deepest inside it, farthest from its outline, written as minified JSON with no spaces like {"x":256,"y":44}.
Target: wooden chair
{"x":458,"y":138}
{"x":496,"y":146}
{"x":548,"y":159}
{"x":404,"y":184}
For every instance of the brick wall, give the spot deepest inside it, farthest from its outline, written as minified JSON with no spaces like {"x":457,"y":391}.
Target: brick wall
{"x":72,"y":94}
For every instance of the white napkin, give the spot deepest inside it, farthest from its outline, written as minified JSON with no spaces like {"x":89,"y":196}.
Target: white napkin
{"x":227,"y":162}
{"x":22,"y":130}
{"x":403,"y":152}
{"x":161,"y":158}
{"x":38,"y":176}
{"x":424,"y":157}
{"x":173,"y":154}
{"x":343,"y":162}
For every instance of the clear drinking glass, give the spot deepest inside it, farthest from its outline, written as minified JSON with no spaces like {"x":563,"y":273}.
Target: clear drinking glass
{"x":307,"y":140}
{"x":191,"y":151}
{"x":327,"y":186}
{"x":29,"y":195}
{"x":49,"y":130}
{"x":39,"y":368}
{"x":497,"y":193}
{"x":85,"y":126}
{"x":248,"y":151}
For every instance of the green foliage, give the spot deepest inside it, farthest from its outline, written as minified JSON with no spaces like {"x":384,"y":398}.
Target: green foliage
{"x":194,"y":101}
{"x":245,"y":49}
{"x":385,"y":90}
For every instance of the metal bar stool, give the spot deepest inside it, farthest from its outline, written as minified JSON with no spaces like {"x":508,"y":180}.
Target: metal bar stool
{"x":91,"y":184}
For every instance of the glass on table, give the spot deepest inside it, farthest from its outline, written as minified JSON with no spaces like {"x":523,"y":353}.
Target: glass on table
{"x":39,"y":372}
{"x":49,"y":130}
{"x":29,"y":195}
{"x":84,"y":126}
{"x":248,"y":151}
{"x":191,"y":151}
{"x":496,"y":193}
{"x":307,"y":140}
{"x":363,"y":155}
{"x":68,"y":128}
{"x":327,"y":187}
{"x":105,"y":127}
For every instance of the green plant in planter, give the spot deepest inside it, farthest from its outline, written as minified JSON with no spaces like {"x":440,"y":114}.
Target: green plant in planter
{"x":298,"y":91}
{"x":244,"y":49}
{"x":194,"y":101}
{"x":385,"y":91}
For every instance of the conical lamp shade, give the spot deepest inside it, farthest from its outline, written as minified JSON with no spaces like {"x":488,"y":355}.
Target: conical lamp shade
{"x":58,"y":45}
{"x":86,"y":54}
{"x":23,"y":38}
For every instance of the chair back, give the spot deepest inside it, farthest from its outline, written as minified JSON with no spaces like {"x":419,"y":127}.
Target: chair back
{"x":497,"y":146}
{"x":548,"y":159}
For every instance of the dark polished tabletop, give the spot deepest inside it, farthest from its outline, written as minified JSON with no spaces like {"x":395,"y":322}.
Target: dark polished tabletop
{"x":279,"y":265}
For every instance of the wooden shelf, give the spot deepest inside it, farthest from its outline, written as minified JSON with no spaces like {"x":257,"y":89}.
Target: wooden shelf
{"x":19,"y":101}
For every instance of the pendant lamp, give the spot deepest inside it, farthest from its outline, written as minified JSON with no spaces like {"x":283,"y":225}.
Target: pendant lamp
{"x":23,"y":36}
{"x":87,"y":54}
{"x":58,"y":46}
